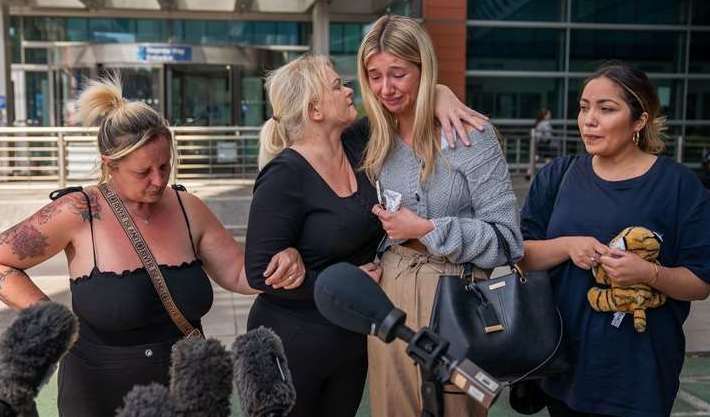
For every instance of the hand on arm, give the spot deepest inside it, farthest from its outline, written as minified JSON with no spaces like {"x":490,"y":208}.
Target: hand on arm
{"x":403,"y":224}
{"x":452,"y":114}
{"x":285,"y":270}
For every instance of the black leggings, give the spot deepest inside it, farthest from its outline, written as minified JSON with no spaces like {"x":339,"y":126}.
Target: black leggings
{"x":328,"y":364}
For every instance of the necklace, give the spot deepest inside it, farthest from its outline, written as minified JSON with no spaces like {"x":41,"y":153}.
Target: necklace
{"x":145,"y":220}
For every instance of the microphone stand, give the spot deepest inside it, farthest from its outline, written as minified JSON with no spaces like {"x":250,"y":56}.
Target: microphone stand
{"x":429,"y":351}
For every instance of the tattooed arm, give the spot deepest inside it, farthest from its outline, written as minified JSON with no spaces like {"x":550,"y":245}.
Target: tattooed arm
{"x":35,"y":240}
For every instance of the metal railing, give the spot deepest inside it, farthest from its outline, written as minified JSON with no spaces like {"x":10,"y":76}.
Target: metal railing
{"x":62,"y":155}
{"x":526,"y":153}
{"x":69,"y":155}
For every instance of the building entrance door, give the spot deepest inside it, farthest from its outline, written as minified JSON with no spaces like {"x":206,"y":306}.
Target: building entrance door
{"x":199,"y":95}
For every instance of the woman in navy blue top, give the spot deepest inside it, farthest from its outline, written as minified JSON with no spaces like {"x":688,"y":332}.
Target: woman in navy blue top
{"x":617,"y":371}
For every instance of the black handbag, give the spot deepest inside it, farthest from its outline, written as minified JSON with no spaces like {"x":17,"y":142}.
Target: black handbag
{"x":509,"y":325}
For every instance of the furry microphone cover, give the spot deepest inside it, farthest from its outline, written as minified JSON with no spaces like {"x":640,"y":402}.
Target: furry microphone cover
{"x":200,"y":384}
{"x":261,"y":374}
{"x":29,"y":350}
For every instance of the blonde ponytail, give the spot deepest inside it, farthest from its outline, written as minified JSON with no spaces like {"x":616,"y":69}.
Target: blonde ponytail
{"x":291,"y":89}
{"x":272,"y":140}
{"x":124,"y":126}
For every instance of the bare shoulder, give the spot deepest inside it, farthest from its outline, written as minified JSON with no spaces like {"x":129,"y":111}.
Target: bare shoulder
{"x":197,"y":210}
{"x":79,"y":206}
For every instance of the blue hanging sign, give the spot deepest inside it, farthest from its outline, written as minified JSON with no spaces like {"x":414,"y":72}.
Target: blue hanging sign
{"x":164,"y":53}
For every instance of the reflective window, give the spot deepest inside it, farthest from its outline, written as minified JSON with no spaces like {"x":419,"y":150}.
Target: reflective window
{"x":513,"y":98}
{"x":345,"y":38}
{"x":35,"y":55}
{"x":77,"y":29}
{"x":545,"y":10}
{"x":37,"y":99}
{"x":701,"y":12}
{"x":15,"y":39}
{"x":265,"y":33}
{"x":43,"y":28}
{"x":700,"y":52}
{"x":630,"y":11}
{"x":515,"y":49}
{"x":151,"y":30}
{"x":697,"y":141}
{"x":670,"y":94}
{"x":112,"y":30}
{"x":411,"y":8}
{"x":698,"y":100}
{"x":287,"y":33}
{"x":649,"y":51}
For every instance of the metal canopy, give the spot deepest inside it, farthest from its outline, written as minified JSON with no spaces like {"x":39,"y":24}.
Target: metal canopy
{"x":368,"y":7}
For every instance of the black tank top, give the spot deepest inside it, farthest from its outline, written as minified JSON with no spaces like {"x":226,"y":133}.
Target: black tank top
{"x":123,"y":309}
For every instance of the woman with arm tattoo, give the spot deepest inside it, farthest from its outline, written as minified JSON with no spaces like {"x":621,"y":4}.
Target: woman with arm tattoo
{"x":125,"y":333}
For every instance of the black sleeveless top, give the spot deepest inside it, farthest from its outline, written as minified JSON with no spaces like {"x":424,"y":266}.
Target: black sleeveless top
{"x":123,"y":309}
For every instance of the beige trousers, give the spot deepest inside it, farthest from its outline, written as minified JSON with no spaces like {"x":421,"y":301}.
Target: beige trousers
{"x":409,"y":278}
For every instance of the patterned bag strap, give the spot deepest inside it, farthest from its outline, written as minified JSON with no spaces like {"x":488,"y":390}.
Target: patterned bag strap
{"x":146,"y":257}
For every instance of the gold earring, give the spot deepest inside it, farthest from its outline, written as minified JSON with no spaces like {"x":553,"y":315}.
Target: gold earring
{"x":635,"y":138}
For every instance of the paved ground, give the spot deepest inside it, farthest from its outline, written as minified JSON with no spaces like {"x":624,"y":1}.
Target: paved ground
{"x":228,"y":315}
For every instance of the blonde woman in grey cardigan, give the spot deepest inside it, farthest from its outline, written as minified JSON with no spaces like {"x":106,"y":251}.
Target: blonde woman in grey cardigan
{"x":449,"y":200}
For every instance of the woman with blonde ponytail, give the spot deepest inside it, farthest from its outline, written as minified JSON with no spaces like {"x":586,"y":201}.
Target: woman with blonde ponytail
{"x":623,"y":180}
{"x":449,"y":202}
{"x":125,"y":332}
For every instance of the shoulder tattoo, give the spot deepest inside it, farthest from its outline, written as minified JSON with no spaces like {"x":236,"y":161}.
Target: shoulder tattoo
{"x":25,"y":240}
{"x":46,"y":213}
{"x":78,"y":205}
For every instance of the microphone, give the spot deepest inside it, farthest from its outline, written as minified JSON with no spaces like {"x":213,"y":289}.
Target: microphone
{"x":349,"y":298}
{"x":261,"y":375}
{"x":152,"y":400}
{"x":29,"y":350}
{"x":200,"y":384}
{"x":201,"y":378}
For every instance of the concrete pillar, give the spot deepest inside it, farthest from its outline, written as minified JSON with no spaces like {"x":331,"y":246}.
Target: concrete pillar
{"x":446,"y":23}
{"x":5,"y":65}
{"x":321,"y":28}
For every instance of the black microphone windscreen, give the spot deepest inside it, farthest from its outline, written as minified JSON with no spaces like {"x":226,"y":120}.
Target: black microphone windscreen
{"x":201,"y":378}
{"x":30,"y":348}
{"x":349,"y":298}
{"x":261,"y":374}
{"x":148,"y":401}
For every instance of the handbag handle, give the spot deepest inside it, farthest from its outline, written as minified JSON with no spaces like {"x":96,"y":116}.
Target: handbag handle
{"x":506,"y":250}
{"x":148,"y":260}
{"x":509,"y":261}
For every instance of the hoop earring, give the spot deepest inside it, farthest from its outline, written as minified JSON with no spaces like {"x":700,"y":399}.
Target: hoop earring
{"x":635,"y":138}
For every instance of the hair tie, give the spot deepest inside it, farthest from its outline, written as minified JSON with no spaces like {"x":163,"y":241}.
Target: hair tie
{"x":276,"y":119}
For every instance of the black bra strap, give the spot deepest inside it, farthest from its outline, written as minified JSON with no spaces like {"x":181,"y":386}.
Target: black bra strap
{"x":64,"y":191}
{"x":178,"y":188}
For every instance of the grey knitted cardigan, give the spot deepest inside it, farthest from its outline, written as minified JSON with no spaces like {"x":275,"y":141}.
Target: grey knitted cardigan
{"x":469,"y":189}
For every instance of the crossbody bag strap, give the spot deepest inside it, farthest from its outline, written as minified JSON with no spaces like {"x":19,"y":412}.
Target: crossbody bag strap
{"x":148,"y":260}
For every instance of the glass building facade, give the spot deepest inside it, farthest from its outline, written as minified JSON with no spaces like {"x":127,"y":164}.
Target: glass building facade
{"x":204,"y":93}
{"x":526,"y":55}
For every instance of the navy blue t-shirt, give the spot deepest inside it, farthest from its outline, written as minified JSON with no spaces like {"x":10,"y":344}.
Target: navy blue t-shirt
{"x":617,"y":371}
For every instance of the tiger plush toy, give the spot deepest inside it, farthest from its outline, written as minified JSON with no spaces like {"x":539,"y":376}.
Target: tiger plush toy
{"x":634,"y":298}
